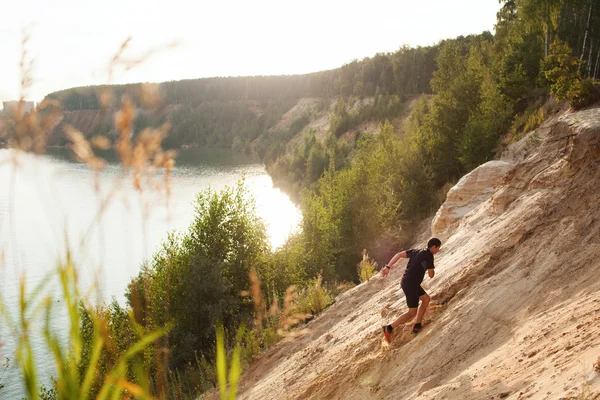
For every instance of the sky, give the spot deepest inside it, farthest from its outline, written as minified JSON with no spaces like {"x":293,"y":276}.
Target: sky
{"x":72,"y":42}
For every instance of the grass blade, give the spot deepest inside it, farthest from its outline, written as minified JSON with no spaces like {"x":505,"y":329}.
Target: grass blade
{"x":234,"y":373}
{"x":221,"y":363}
{"x":91,"y":370}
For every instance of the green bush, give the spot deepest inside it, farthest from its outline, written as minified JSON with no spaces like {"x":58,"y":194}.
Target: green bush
{"x":253,"y":342}
{"x":120,"y":332}
{"x":269,"y":337}
{"x":583,"y":93}
{"x":49,"y":393}
{"x":195,"y":279}
{"x":366,"y":268}
{"x":561,"y":69}
{"x":535,"y":119}
{"x":313,"y":299}
{"x":529,"y":120}
{"x":196,"y":377}
{"x":251,"y":346}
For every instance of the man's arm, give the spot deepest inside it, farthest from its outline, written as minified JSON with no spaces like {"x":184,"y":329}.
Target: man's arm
{"x":430,"y":268}
{"x":393,"y":261}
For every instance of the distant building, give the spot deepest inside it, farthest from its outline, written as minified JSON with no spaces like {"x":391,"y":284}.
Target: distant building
{"x":12,"y":105}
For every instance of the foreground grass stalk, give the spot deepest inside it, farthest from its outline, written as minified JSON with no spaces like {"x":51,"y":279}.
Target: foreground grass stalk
{"x":235,"y":370}
{"x":68,"y":357}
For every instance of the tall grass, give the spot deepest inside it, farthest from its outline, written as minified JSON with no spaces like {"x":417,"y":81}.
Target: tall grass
{"x":125,"y":377}
{"x":272,"y":323}
{"x":366,"y":268}
{"x":530,"y":119}
{"x":227,"y":385}
{"x":70,"y":384}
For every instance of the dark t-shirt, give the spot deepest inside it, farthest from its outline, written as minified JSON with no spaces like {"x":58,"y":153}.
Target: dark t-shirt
{"x":420,"y":260}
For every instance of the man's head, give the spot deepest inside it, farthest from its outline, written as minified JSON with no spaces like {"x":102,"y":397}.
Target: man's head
{"x":434,"y":245}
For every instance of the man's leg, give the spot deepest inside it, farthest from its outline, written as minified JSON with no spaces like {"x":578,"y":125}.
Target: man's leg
{"x":404,"y":318}
{"x":411,"y":293}
{"x":425,"y":299}
{"x":412,"y":301}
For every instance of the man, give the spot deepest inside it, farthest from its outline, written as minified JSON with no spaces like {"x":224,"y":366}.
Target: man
{"x":420,"y":260}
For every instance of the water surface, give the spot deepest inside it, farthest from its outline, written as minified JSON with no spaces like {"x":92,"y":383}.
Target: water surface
{"x":50,"y":203}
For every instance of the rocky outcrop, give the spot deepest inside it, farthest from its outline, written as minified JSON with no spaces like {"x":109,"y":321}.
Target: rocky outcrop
{"x":472,"y":190}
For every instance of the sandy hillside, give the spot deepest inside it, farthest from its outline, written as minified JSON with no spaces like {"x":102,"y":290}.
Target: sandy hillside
{"x":516,"y":310}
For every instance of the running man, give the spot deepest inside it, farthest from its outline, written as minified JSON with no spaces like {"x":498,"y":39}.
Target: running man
{"x":420,"y":260}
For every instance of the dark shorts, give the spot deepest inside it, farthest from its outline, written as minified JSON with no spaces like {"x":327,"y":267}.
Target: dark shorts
{"x":412,"y":293}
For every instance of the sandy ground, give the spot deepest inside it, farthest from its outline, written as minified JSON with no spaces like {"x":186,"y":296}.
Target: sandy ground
{"x":516,"y":300}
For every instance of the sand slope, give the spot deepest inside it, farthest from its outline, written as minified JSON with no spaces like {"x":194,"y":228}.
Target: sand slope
{"x":516,"y":310}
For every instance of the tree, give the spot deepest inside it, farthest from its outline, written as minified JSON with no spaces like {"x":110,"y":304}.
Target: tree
{"x":585,"y":37}
{"x":195,"y":279}
{"x":561,"y":68}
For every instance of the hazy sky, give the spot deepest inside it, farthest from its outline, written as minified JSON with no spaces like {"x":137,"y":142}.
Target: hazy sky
{"x":72,"y":41}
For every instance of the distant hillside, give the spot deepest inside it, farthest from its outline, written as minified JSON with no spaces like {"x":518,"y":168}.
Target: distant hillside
{"x":287,"y":120}
{"x":407,"y":71}
{"x":294,"y":138}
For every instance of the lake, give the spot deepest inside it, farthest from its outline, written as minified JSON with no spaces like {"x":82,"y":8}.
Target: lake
{"x":50,"y":203}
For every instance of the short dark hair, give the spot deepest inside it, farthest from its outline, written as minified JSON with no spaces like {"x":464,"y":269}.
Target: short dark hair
{"x":434,"y":242}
